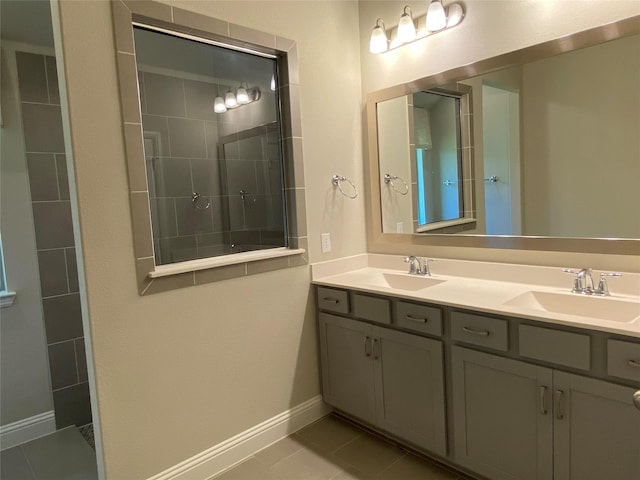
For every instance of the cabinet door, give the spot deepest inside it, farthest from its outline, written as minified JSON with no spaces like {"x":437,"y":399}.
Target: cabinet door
{"x":596,"y":431}
{"x":502,"y":416}
{"x":410,"y":388}
{"x":347,"y":366}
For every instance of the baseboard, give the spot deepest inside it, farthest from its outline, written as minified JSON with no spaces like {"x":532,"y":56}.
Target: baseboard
{"x":27,"y":429}
{"x":222,"y":456}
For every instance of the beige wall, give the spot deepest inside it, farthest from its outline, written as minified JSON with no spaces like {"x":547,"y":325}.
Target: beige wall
{"x":489,"y":28}
{"x":394,"y":151}
{"x":179,"y":372}
{"x":582,"y":148}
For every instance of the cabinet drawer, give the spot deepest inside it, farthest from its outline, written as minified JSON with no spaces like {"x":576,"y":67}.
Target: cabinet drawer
{"x":333,"y":300}
{"x":419,"y":318}
{"x":564,"y":348}
{"x":478,"y":330}
{"x":623,"y":359}
{"x":372,"y":308}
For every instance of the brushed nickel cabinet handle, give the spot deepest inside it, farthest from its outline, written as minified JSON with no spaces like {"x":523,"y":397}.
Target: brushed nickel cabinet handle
{"x":634,"y":363}
{"x":376,"y":349}
{"x":543,"y":400}
{"x":482,"y":333}
{"x":367,"y":346}
{"x":331,"y":300}
{"x":559,"y":412}
{"x":636,"y":399}
{"x":416,"y":319}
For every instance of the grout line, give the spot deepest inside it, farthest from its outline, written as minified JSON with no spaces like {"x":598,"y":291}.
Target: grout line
{"x":46,"y":77}
{"x":75,"y":360}
{"x":64,"y":341}
{"x":26,"y":457}
{"x":61,"y":295}
{"x":66,"y":269}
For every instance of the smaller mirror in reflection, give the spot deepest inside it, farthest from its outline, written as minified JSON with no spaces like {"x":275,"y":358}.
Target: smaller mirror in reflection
{"x":429,"y":193}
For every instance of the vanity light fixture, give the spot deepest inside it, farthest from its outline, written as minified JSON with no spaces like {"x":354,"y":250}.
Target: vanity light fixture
{"x":406,"y":27}
{"x":243,"y":95}
{"x":230,"y":100}
{"x":437,"y":19}
{"x":379,"y":42}
{"x":218,"y":103}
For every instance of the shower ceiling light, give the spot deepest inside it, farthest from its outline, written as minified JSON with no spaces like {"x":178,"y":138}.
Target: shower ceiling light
{"x":437,"y":19}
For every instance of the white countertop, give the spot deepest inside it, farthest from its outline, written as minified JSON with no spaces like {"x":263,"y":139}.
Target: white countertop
{"x":489,"y":287}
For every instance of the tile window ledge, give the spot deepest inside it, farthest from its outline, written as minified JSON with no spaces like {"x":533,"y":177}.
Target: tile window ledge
{"x":213,"y":262}
{"x":7,"y":299}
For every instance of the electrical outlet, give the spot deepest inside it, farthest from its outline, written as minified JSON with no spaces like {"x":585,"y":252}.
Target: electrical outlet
{"x":325,"y":241}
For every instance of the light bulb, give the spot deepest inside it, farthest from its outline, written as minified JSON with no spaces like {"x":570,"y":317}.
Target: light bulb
{"x":379,"y":42}
{"x":230,"y":100}
{"x":219,"y":106}
{"x":242,"y":96}
{"x":273,"y":82}
{"x":406,"y":27}
{"x":455,"y":15}
{"x":436,"y":17}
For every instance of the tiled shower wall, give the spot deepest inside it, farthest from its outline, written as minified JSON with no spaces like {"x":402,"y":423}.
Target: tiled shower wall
{"x":46,"y":163}
{"x":182,"y":134}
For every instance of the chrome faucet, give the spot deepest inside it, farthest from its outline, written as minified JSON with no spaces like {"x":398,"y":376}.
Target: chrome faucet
{"x":418,"y":265}
{"x":583,"y":281}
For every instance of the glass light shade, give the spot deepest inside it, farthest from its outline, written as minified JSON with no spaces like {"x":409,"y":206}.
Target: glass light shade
{"x":273,"y":82}
{"x":406,"y":28}
{"x":379,"y":42}
{"x":219,"y":106}
{"x":455,"y":15}
{"x":230,"y":100}
{"x":436,"y":17}
{"x":242,"y":96}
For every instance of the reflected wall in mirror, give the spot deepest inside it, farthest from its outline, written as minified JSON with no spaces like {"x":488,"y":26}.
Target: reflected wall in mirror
{"x":420,"y":139}
{"x":558,"y":150}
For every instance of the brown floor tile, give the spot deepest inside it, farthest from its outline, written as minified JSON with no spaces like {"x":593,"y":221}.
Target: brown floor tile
{"x":278,"y":451}
{"x":306,"y":464}
{"x":250,"y":469}
{"x":411,"y":467}
{"x":369,"y":454}
{"x":329,"y":433}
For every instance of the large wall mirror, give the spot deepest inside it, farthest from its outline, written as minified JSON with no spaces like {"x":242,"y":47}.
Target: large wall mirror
{"x":554,"y":158}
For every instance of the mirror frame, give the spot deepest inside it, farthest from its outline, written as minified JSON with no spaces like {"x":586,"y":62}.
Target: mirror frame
{"x":379,"y":242}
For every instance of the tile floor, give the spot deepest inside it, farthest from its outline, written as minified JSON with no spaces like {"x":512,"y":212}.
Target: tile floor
{"x":333,"y":449}
{"x":63,"y":455}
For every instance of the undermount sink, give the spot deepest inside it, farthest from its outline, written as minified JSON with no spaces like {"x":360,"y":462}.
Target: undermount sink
{"x":405,"y":281}
{"x":600,"y":308}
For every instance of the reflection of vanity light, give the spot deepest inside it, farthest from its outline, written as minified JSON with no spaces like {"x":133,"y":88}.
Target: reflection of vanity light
{"x":437,"y":19}
{"x":242,"y":96}
{"x":273,"y":82}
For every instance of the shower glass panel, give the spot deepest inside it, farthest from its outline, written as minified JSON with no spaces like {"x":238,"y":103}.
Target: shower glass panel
{"x":213,"y":149}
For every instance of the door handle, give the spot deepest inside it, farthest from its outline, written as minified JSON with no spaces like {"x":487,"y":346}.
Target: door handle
{"x":376,"y":349}
{"x":543,"y":400}
{"x":482,"y":333}
{"x":416,"y":319}
{"x":559,"y":411}
{"x":367,"y":346}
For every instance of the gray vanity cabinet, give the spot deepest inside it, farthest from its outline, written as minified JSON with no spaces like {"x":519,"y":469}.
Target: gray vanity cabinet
{"x":503,"y":421}
{"x":390,"y":379}
{"x":515,"y":420}
{"x":596,"y":430}
{"x":347,"y":367}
